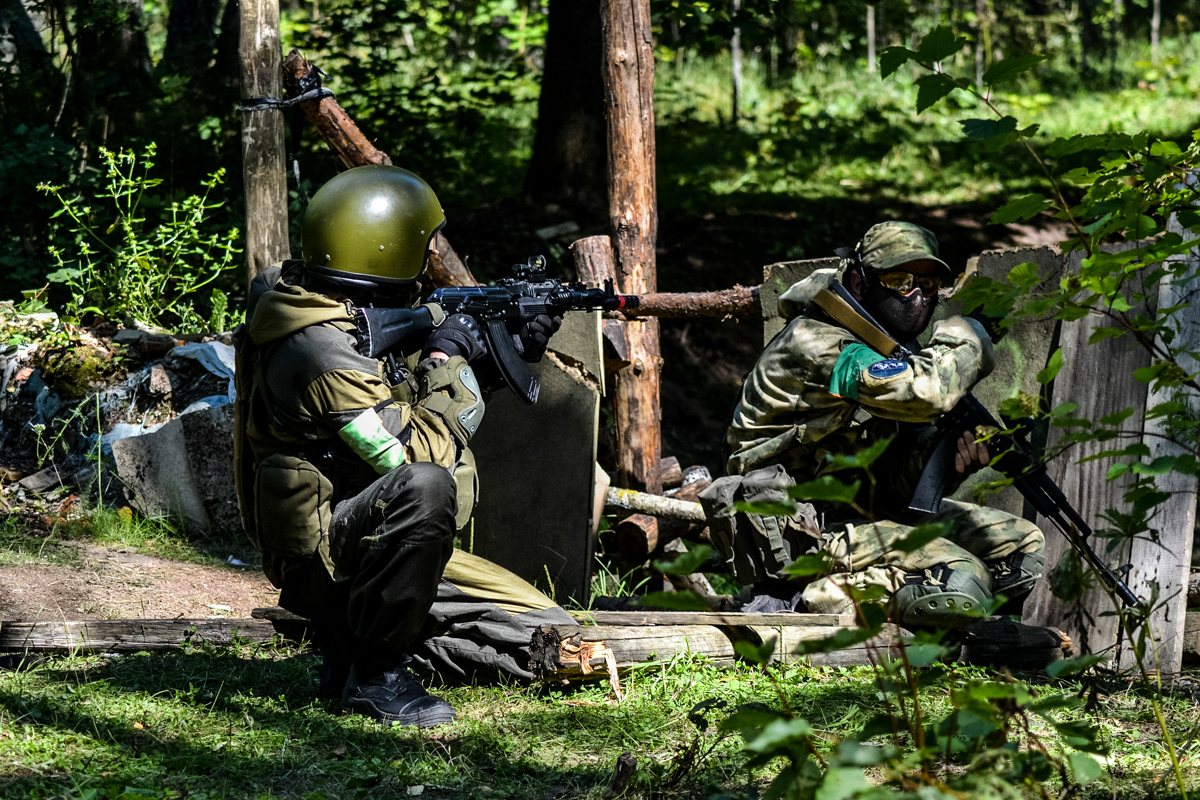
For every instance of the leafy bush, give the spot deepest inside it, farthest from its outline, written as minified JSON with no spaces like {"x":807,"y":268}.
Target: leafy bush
{"x":120,"y":271}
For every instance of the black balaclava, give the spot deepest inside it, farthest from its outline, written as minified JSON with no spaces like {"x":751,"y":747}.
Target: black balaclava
{"x":904,"y":315}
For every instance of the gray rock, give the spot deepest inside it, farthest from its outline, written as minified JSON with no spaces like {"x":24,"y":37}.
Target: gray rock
{"x":45,"y":481}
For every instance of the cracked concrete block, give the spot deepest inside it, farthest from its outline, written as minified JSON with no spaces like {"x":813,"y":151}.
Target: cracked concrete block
{"x":184,"y":470}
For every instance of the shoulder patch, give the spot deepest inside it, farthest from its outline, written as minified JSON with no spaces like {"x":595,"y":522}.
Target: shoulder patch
{"x":886,"y":369}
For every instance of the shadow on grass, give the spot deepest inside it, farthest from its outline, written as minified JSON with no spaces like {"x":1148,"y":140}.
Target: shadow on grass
{"x":218,"y":723}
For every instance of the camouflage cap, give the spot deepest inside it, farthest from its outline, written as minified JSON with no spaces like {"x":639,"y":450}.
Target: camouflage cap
{"x":890,"y":245}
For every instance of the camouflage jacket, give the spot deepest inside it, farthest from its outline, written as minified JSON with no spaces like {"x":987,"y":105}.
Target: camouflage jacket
{"x":817,"y":390}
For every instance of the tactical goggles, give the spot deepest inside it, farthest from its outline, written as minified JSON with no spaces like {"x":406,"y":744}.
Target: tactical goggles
{"x":903,"y":282}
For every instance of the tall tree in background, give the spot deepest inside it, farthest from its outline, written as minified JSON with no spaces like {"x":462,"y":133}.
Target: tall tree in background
{"x":111,"y":69}
{"x":570,"y":149}
{"x":191,"y":36}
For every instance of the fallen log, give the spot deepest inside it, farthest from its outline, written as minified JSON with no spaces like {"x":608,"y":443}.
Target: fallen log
{"x":632,"y":645}
{"x":653,"y":504}
{"x":740,"y":301}
{"x":637,"y":541}
{"x":353,"y":149}
{"x":129,"y":635}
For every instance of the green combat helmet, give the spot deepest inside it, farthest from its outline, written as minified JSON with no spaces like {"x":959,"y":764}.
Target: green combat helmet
{"x":371,"y":226}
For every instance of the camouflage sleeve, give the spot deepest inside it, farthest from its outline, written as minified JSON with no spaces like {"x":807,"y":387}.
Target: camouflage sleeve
{"x":958,"y":356}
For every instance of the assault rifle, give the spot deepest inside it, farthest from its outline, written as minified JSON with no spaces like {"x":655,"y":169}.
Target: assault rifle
{"x":500,"y":310}
{"x":1018,"y":460}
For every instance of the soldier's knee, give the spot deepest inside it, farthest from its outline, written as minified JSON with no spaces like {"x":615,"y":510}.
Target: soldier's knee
{"x":420,"y":491}
{"x":941,"y":597}
{"x":1031,"y":539}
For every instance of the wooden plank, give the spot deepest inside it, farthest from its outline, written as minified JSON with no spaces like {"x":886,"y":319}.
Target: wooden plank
{"x":1108,"y":364}
{"x":628,"y":68}
{"x":263,"y":146}
{"x":651,"y":618}
{"x":128,"y":635}
{"x":634,"y":645}
{"x":1167,"y":561}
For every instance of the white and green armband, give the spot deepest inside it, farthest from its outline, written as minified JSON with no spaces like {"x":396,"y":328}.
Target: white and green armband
{"x":372,"y":442}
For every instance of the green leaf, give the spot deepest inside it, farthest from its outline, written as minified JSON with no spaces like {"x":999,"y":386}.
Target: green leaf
{"x":939,"y":44}
{"x":931,"y":88}
{"x":756,"y":653}
{"x":1159,"y":466}
{"x":893,"y":58}
{"x":1078,"y":144}
{"x":685,"y":563}
{"x":1052,"y":367}
{"x":878,"y":725}
{"x":750,"y":716}
{"x":922,"y":655}
{"x":840,"y":640}
{"x":842,"y":783}
{"x":1080,"y":734}
{"x":1116,"y":471}
{"x":816,"y":564}
{"x":1100,"y":334}
{"x":1085,"y":768}
{"x":1021,"y":208}
{"x":1009,"y":68}
{"x":826,"y":488}
{"x":64,"y":275}
{"x":1164,"y":149}
{"x":860,"y":460}
{"x":675,"y":601}
{"x":1073,"y":666}
{"x":920,"y":536}
{"x":987,"y":128}
{"x":780,"y":732}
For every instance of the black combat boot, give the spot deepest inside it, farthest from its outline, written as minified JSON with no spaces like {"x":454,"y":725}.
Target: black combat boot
{"x":394,"y":697}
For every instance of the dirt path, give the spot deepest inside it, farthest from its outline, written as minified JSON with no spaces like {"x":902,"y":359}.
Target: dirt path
{"x":115,"y":585}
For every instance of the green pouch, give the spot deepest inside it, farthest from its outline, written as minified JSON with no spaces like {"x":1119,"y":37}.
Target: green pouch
{"x":292,"y":508}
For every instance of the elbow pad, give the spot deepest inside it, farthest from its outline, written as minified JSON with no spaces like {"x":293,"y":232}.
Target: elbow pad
{"x":451,"y":391}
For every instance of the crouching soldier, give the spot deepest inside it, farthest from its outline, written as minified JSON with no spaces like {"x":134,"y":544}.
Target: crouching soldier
{"x":354,"y":473}
{"x":820,"y":391}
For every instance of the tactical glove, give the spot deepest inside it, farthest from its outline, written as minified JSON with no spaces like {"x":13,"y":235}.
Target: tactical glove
{"x":534,"y":335}
{"x":990,"y":323}
{"x":459,"y":335}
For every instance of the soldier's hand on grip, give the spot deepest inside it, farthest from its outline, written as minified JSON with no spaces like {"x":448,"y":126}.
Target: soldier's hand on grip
{"x":459,"y":335}
{"x":534,"y":335}
{"x":971,"y":455}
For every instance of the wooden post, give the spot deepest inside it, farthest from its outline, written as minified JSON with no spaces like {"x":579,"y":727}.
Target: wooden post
{"x":629,"y":102}
{"x":1167,"y":561}
{"x":263,"y":148}
{"x":735,"y":62}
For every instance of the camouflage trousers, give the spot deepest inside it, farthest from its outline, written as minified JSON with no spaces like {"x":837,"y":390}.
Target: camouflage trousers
{"x":987,"y":552}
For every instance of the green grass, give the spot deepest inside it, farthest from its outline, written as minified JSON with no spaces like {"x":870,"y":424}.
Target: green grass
{"x":243,"y":722}
{"x":116,"y":529}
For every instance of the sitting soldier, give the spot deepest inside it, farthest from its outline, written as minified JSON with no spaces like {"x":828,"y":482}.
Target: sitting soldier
{"x":820,"y":390}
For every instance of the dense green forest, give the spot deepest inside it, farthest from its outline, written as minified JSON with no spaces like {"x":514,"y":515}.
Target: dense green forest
{"x":499,"y":100}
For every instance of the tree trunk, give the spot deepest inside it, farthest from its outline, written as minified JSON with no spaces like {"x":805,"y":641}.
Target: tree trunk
{"x":30,"y":50}
{"x":226,"y":70}
{"x":871,"y":39}
{"x":263,"y":138}
{"x":111,"y":69}
{"x":629,"y":102}
{"x":191,"y":36}
{"x":569,"y":148}
{"x":1155,"y":28}
{"x":735,"y":61}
